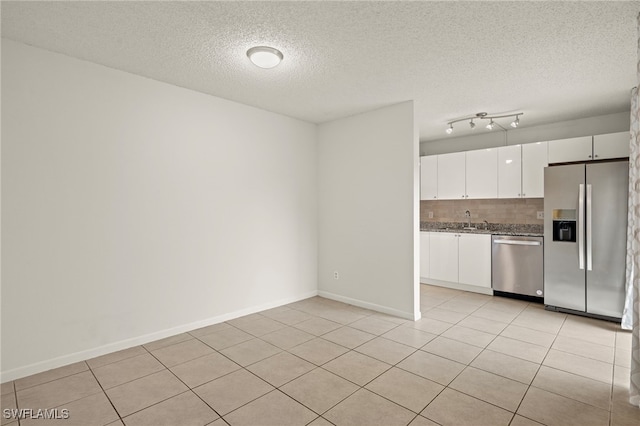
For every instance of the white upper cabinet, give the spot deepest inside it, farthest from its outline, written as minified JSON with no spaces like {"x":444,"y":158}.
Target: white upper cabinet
{"x":534,"y":160}
{"x":451,"y":173}
{"x":510,"y":171}
{"x":482,"y":173}
{"x":568,"y":150}
{"x":612,"y":145}
{"x":429,"y":177}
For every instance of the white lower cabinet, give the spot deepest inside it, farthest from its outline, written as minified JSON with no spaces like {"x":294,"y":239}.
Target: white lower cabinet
{"x":443,"y":256}
{"x":424,"y":255}
{"x":474,"y":259}
{"x":459,"y":259}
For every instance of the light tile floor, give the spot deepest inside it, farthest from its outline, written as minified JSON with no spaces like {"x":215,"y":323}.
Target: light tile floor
{"x":472,"y":359}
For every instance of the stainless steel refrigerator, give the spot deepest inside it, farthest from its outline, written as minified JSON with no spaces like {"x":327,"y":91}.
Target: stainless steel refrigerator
{"x":585,"y":233}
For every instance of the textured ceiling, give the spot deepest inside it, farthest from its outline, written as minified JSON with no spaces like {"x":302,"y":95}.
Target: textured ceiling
{"x":552,"y":60}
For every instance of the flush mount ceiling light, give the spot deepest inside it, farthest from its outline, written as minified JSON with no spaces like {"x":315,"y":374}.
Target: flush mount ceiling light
{"x":484,"y":116}
{"x":265,"y":56}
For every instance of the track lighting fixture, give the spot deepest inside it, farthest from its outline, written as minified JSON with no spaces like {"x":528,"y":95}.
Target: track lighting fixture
{"x":484,"y":116}
{"x":490,"y":125}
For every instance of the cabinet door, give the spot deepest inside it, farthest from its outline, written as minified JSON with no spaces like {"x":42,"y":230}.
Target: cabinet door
{"x":443,"y":256}
{"x":474,"y":260}
{"x":482,"y":173}
{"x":612,"y":145}
{"x":568,"y":150}
{"x":534,"y":160}
{"x":424,"y":255}
{"x":428,"y":177}
{"x":451,"y":176}
{"x":509,"y":171}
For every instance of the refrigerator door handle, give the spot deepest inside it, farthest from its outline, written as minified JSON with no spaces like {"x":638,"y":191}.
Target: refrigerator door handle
{"x":589,"y":260}
{"x":581,"y":227}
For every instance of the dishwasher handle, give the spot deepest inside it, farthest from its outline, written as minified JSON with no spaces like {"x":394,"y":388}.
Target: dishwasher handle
{"x":518,"y":242}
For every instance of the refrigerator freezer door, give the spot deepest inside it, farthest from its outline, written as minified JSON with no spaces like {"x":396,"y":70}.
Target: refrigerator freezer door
{"x":564,"y":281}
{"x":608,"y":238}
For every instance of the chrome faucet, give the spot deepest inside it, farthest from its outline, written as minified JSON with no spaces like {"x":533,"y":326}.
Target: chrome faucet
{"x":486,"y":225}
{"x":468,"y":215}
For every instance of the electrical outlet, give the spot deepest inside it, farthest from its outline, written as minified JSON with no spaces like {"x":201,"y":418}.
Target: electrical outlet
{"x":336,"y":275}
{"x":540,"y":215}
{"x":430,"y":215}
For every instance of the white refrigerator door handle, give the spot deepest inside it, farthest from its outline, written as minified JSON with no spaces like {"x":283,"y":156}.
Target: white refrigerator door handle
{"x":580,"y":225}
{"x":589,"y":259}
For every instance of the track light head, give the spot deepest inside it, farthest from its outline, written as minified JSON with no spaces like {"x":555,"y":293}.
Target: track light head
{"x":490,"y":125}
{"x":472,"y":124}
{"x":450,"y":129}
{"x":515,"y":123}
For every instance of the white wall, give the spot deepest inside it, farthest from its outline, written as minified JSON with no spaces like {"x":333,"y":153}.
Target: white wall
{"x":133,"y":210}
{"x":368,"y":210}
{"x":598,"y":125}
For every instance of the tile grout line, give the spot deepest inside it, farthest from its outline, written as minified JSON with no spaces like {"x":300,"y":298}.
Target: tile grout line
{"x":189,"y":389}
{"x":105,"y":394}
{"x":50,"y":381}
{"x":364,"y":315}
{"x":536,"y":373}
{"x":469,"y":365}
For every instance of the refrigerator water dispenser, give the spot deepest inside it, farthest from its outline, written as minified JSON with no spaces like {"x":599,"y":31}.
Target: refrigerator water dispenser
{"x":564,"y":225}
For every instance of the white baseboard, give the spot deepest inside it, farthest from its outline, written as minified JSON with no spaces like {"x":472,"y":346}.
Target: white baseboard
{"x":372,"y":306}
{"x":61,"y":361}
{"x":457,"y":286}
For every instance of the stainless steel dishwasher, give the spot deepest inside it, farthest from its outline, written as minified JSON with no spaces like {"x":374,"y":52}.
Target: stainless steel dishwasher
{"x":517,"y":265}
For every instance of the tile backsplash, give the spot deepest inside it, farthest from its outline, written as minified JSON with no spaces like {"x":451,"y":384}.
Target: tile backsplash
{"x":495,"y":210}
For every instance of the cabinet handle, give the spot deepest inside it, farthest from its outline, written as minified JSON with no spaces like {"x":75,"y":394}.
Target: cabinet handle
{"x":466,"y":196}
{"x":519,"y":195}
{"x":589,"y":156}
{"x":596,"y":155}
{"x":434,"y":196}
{"x":524,"y":195}
{"x":463,"y":196}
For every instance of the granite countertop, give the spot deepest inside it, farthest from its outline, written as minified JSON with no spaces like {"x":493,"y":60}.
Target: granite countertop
{"x":522,"y":230}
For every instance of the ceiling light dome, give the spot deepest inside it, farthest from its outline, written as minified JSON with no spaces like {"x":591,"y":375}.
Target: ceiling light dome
{"x":264,"y":56}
